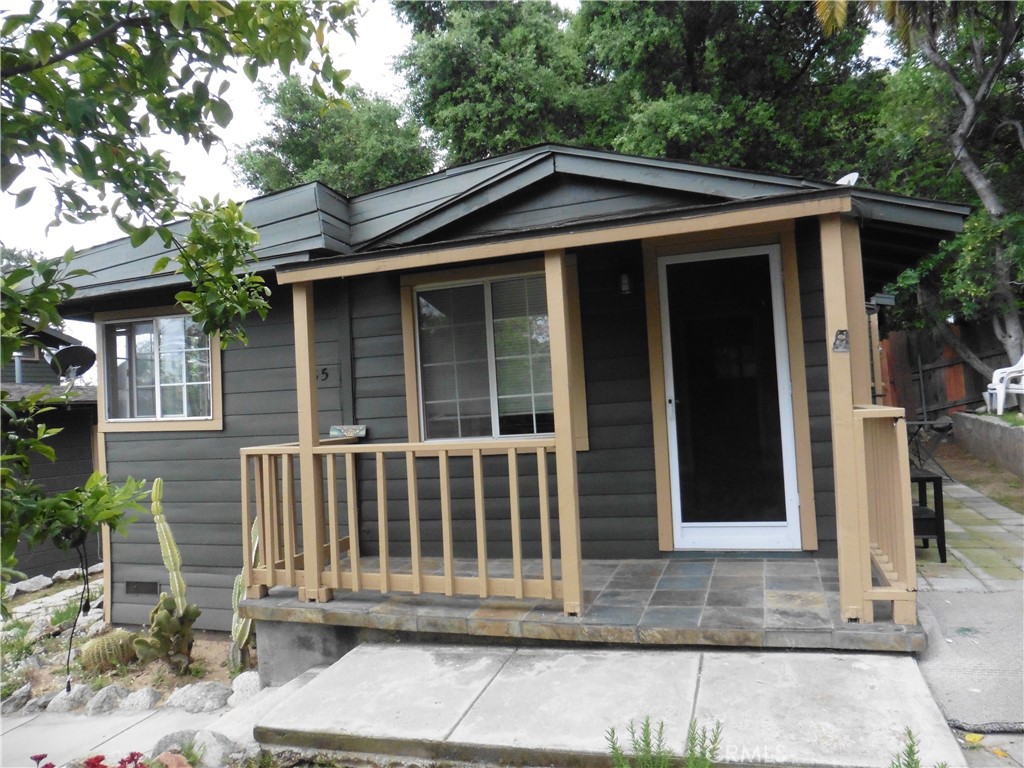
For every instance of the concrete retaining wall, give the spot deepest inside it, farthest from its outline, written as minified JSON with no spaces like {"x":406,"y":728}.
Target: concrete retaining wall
{"x":991,"y":439}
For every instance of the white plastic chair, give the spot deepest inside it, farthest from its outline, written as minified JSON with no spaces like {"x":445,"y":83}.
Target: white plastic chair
{"x":1005,"y":380}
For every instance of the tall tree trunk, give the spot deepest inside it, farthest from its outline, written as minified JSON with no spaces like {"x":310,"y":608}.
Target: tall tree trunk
{"x":930,"y":303}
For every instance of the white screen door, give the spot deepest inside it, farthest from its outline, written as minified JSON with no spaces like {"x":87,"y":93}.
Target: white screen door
{"x":729,"y":400}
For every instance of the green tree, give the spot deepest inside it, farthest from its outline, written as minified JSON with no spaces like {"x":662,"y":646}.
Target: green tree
{"x":82,"y":85}
{"x":746,"y":84}
{"x":750,"y":84}
{"x":356,"y":147}
{"x":31,"y":289}
{"x":962,"y":85}
{"x":492,"y":77}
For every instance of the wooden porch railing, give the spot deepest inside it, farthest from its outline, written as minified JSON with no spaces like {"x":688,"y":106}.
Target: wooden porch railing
{"x":885,"y":516}
{"x":269,"y":497}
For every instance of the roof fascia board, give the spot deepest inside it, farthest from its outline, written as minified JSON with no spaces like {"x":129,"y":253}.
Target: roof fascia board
{"x":170,"y":279}
{"x":697,"y":221}
{"x":872,"y":207}
{"x":729,"y":185}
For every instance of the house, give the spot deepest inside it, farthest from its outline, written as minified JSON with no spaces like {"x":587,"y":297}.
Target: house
{"x":556,"y":354}
{"x":29,"y":373}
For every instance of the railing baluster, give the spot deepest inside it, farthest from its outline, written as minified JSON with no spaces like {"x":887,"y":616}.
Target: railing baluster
{"x":353,"y":521}
{"x":261,"y":513}
{"x":332,"y":520}
{"x":517,"y":537}
{"x":247,"y":574}
{"x":446,"y":523}
{"x":288,"y":519}
{"x":414,"y":521}
{"x":481,"y":521}
{"x":382,"y":522}
{"x":545,"y":521}
{"x":270,"y":522}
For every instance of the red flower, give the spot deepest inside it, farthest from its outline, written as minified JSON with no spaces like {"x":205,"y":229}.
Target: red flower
{"x":49,"y":765}
{"x":96,"y":761}
{"x":37,"y":758}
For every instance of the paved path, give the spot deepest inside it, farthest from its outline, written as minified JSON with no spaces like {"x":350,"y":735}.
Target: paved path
{"x":546,"y":706}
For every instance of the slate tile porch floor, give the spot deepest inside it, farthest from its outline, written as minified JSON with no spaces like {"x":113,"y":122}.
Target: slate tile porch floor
{"x":719,"y":601}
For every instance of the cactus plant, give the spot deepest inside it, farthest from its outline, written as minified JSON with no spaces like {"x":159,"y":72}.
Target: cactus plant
{"x":171,"y":620}
{"x":241,"y":628}
{"x":109,"y":651}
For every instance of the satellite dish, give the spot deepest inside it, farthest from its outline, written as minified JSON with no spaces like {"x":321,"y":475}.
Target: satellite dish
{"x":849,"y":179}
{"x":72,"y":362}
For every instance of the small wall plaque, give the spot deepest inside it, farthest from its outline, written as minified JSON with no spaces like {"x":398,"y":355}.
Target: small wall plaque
{"x":348,"y":430}
{"x":842,"y":341}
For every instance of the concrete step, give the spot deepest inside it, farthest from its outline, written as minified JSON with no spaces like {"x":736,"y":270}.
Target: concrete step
{"x":534,"y":706}
{"x":237,"y":723}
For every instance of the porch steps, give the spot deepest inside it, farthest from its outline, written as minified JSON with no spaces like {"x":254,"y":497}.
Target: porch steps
{"x":547,"y":706}
{"x":237,"y":722}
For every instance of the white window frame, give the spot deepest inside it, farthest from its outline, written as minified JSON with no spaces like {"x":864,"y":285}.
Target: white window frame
{"x":492,"y":369}
{"x":107,"y":358}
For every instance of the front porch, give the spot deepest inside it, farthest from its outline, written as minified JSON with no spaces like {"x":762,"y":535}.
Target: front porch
{"x":731,"y":601}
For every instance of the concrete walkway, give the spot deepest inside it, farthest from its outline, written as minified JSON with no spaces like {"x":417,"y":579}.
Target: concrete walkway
{"x":555,"y":706}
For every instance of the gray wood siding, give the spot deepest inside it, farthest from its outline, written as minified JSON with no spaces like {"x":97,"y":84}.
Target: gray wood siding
{"x":812,"y":304}
{"x":32,"y":372}
{"x":560,"y":200}
{"x":201,"y":472}
{"x":71,"y":469}
{"x":618,"y":503}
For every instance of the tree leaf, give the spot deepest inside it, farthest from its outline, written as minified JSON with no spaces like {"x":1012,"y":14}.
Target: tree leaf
{"x":8,"y":173}
{"x":24,"y":196}
{"x":221,"y":112}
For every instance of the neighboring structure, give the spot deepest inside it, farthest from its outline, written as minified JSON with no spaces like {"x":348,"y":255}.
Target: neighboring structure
{"x":554,"y":353}
{"x":28,"y":374}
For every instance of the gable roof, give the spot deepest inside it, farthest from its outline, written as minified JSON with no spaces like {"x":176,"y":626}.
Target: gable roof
{"x":543,"y":188}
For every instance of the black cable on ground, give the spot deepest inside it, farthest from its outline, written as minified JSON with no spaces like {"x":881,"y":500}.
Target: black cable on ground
{"x":83,"y":607}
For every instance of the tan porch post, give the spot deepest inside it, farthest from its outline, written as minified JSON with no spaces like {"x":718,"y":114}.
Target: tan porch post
{"x":565,"y":443}
{"x":840,"y":266}
{"x":310,"y":466}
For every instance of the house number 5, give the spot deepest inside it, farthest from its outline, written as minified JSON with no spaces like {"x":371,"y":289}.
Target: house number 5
{"x":322,"y":375}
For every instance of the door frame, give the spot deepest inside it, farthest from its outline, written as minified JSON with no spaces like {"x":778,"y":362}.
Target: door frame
{"x":782,"y":535}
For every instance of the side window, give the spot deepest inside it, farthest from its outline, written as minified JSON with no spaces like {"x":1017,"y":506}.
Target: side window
{"x":159,"y":369}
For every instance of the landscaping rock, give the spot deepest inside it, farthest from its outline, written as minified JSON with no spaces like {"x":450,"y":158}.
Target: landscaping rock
{"x":40,"y":627}
{"x":200,"y":697}
{"x":144,"y":698}
{"x":16,"y":700}
{"x":30,"y":664}
{"x":107,"y":700}
{"x":216,"y":748}
{"x":68,"y":574}
{"x":97,"y":568}
{"x":34,"y":584}
{"x":39,"y":703}
{"x":68,"y":702}
{"x":173,"y":742}
{"x":172,"y":760}
{"x":245,"y":686}
{"x":97,"y":629}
